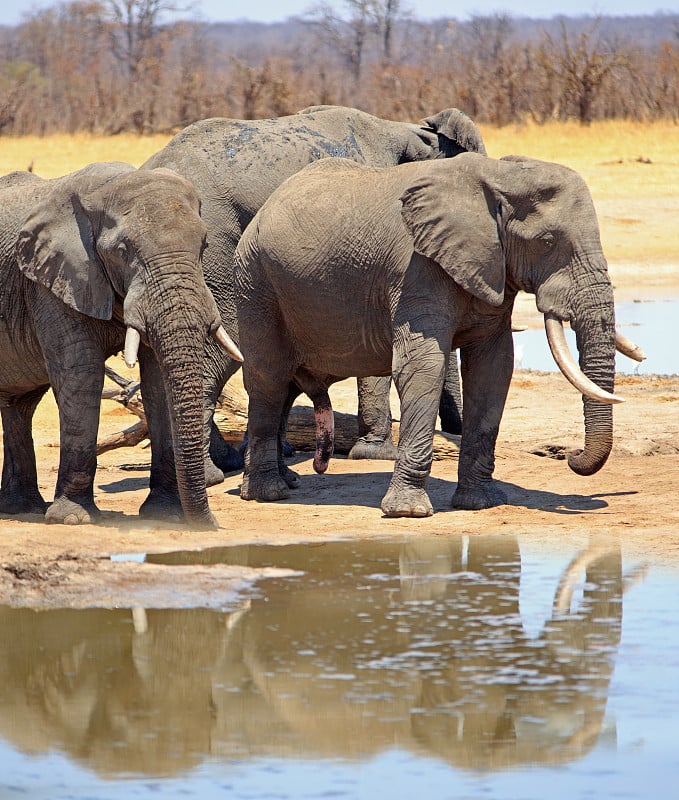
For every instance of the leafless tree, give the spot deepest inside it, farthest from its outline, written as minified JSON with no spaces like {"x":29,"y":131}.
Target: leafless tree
{"x":585,"y":62}
{"x":347,"y":31}
{"x":114,"y":65}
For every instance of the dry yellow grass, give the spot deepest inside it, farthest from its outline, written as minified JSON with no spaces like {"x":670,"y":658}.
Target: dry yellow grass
{"x":616,"y":158}
{"x":52,"y":156}
{"x":632,"y":170}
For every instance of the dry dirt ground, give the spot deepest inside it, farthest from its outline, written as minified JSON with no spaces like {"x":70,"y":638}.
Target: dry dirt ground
{"x":632,"y":499}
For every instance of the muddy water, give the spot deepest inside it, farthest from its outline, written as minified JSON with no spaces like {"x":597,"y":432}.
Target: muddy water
{"x":485,"y":666}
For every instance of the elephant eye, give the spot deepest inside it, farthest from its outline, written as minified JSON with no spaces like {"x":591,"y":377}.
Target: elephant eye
{"x":121,"y":250}
{"x":548,"y":239}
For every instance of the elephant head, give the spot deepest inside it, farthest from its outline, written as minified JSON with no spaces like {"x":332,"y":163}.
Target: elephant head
{"x":497,"y":227}
{"x":114,"y":242}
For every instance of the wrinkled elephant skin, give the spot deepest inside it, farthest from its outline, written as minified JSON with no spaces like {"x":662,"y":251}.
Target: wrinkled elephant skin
{"x":83,"y":258}
{"x":433,"y":254}
{"x":236,"y":164}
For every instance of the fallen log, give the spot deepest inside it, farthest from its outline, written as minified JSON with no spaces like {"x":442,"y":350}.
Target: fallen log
{"x":128,"y":438}
{"x":231,"y":421}
{"x":127,"y":394}
{"x":302,"y":432}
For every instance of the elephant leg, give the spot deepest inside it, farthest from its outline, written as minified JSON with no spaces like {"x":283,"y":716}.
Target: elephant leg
{"x":77,"y":388}
{"x":287,"y":450}
{"x":374,"y":420}
{"x":290,"y":477}
{"x":19,"y":492}
{"x":262,"y":479}
{"x":220,"y":456}
{"x":486,"y":373}
{"x":450,"y":406}
{"x":418,"y":376}
{"x":265,"y":476}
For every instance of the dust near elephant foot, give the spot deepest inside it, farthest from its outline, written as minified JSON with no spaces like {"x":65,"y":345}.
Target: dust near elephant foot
{"x":383,"y":449}
{"x":409,"y":502}
{"x":69,"y":512}
{"x":213,"y":474}
{"x":487,"y":495}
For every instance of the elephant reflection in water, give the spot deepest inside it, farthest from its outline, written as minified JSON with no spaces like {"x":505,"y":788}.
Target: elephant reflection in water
{"x":82,"y":681}
{"x":419,"y":646}
{"x":505,"y":698}
{"x":441,"y":664}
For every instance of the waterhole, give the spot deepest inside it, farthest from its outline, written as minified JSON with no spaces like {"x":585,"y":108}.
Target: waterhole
{"x":447,"y":667}
{"x":650,"y":324}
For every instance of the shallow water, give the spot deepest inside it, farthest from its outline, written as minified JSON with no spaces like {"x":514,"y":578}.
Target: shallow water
{"x":653,"y":325}
{"x":457,"y":667}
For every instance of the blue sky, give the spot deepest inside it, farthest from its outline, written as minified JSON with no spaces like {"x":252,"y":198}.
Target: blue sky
{"x":273,"y":10}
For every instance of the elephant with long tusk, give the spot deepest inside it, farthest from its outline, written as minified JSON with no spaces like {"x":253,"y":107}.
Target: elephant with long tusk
{"x":105,"y":258}
{"x":350,"y":270}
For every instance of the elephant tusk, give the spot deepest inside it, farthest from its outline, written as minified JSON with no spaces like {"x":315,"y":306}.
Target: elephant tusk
{"x":227,"y":343}
{"x":571,"y":371}
{"x":132,"y":339}
{"x":628,"y":348}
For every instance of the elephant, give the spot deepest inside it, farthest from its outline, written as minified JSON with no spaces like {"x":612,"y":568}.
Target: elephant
{"x":434,"y":255}
{"x":103,"y":259}
{"x":236,"y":164}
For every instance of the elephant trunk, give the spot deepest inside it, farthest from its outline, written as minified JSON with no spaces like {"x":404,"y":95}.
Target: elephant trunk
{"x":593,"y":320}
{"x":178,"y":340}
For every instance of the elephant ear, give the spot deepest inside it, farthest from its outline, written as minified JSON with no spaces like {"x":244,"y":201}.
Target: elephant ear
{"x":57,"y":246}
{"x":453,"y":216}
{"x":456,"y":132}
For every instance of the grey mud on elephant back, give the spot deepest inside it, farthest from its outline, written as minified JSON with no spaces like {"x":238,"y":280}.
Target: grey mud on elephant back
{"x":235,"y":165}
{"x":82,"y":259}
{"x":435,"y":254}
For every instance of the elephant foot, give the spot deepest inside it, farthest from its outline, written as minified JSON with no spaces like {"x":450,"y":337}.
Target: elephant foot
{"x":162,"y":505}
{"x":406,"y":502}
{"x":487,"y":495}
{"x":213,"y":474}
{"x":288,"y":450}
{"x":290,"y":477}
{"x":17,"y":502}
{"x":381,"y":449}
{"x":68,"y":512}
{"x":264,"y":488}
{"x":225,"y":457}
{"x":451,"y":420}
